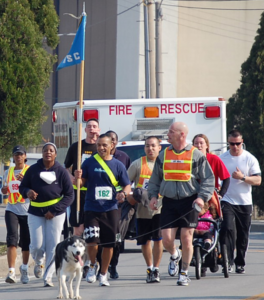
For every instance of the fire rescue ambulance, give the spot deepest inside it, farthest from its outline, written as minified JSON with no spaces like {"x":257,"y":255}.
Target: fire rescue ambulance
{"x":135,"y":120}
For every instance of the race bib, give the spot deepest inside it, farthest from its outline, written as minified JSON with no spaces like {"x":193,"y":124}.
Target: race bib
{"x":103,"y":193}
{"x":14,"y":186}
{"x":145,"y":184}
{"x":85,"y":156}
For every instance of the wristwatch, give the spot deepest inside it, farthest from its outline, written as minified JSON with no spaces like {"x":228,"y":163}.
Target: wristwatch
{"x":244,"y":178}
{"x":124,"y":193}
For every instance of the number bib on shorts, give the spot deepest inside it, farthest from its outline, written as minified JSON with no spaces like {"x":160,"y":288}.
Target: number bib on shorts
{"x":103,"y":193}
{"x":14,"y":186}
{"x":145,"y":184}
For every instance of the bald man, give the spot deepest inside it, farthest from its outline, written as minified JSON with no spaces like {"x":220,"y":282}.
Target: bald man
{"x":183,"y":176}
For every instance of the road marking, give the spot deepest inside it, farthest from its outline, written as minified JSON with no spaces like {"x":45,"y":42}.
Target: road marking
{"x":257,"y":297}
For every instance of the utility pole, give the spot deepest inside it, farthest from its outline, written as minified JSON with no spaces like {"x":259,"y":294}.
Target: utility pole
{"x":159,"y":72}
{"x":146,"y":36}
{"x":151,"y":28}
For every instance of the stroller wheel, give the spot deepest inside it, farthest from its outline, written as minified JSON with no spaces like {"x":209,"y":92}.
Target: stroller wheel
{"x":198,"y":262}
{"x":225,"y":260}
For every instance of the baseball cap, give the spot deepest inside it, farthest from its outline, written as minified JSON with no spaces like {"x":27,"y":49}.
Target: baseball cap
{"x":19,"y":149}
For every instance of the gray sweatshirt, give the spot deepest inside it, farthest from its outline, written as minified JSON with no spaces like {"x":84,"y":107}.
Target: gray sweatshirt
{"x":201,"y":171}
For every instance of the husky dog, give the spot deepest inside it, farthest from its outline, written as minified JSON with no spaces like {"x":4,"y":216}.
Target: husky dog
{"x":68,"y":262}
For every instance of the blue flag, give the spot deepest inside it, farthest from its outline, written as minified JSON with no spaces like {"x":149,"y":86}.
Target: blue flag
{"x":77,"y":51}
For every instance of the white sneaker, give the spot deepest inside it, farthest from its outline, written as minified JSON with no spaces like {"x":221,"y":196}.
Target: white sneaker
{"x":103,"y":280}
{"x":24,"y":275}
{"x":92,"y":272}
{"x":173,"y":267}
{"x":11,"y":277}
{"x":183,"y":279}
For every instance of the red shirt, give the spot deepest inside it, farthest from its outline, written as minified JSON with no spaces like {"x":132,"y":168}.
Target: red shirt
{"x":219,"y":169}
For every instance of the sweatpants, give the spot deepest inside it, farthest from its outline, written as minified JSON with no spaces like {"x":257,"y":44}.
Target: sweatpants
{"x":44,"y":236}
{"x":235,"y":231}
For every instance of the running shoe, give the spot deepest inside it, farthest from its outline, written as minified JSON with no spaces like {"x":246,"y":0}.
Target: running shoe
{"x":24,"y":275}
{"x":103,"y":280}
{"x":113,"y":272}
{"x":183,"y":279}
{"x":48,"y":283}
{"x":92,"y":272}
{"x":240,"y":270}
{"x":11,"y":277}
{"x":155,"y":276}
{"x":230,"y":269}
{"x":149,"y":275}
{"x":173,"y":268}
{"x":38,"y":271}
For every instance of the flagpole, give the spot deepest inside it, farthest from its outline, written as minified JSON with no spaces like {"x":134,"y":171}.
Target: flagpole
{"x":76,"y":56}
{"x":80,"y":132}
{"x":80,"y":139}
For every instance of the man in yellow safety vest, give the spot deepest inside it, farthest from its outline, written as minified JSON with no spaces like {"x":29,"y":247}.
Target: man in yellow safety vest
{"x":184,"y":178}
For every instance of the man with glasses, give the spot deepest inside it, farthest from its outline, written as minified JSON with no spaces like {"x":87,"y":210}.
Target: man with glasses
{"x":237,"y":202}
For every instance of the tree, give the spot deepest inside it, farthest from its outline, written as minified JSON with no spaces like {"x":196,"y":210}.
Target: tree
{"x":25,"y":69}
{"x":245,"y":110}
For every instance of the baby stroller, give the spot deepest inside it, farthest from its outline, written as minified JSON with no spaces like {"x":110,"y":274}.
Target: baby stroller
{"x":217,"y":253}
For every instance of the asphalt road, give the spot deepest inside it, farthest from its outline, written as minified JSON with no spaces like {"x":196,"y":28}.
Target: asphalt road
{"x":132,"y":285}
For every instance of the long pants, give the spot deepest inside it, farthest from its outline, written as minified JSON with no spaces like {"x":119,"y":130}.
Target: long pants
{"x":44,"y":236}
{"x":235,"y":231}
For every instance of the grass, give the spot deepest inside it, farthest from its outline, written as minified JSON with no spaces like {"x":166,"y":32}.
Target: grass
{"x":3,"y":249}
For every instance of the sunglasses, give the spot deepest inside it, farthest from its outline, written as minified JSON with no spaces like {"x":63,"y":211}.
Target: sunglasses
{"x":233,"y":144}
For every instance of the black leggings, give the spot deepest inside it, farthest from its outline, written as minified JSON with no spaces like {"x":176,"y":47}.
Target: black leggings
{"x":13,"y":222}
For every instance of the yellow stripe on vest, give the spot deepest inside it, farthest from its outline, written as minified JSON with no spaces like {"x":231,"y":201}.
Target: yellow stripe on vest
{"x":108,"y":172}
{"x":46,"y":203}
{"x":82,"y":188}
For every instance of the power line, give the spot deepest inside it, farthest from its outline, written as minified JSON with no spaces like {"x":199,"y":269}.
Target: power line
{"x":211,"y":8}
{"x":233,"y":38}
{"x":217,"y":0}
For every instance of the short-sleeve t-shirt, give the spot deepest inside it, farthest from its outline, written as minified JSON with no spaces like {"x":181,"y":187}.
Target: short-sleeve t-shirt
{"x":101,"y":193}
{"x":218,"y":167}
{"x":239,"y":192}
{"x":71,"y":158}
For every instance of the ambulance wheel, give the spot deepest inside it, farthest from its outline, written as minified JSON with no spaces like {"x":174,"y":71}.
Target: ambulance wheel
{"x":198,"y":262}
{"x":224,"y":260}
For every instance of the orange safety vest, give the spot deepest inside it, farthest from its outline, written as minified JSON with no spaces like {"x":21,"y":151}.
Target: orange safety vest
{"x":177,"y":166}
{"x":145,"y":172}
{"x":13,"y":198}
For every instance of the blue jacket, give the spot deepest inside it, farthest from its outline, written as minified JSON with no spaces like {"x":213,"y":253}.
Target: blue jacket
{"x":62,"y":186}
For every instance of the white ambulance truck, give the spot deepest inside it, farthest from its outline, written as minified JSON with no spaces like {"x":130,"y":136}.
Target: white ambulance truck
{"x":135,"y":120}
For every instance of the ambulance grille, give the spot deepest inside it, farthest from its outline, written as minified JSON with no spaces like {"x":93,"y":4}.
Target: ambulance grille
{"x":153,"y":124}
{"x":144,"y":128}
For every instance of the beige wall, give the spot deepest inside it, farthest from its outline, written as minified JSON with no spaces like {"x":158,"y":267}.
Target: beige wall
{"x":212,"y":45}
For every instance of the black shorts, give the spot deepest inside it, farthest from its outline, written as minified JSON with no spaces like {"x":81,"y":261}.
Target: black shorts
{"x":148,"y":229}
{"x":101,"y":227}
{"x":13,"y":222}
{"x":73,"y":218}
{"x":178,"y":213}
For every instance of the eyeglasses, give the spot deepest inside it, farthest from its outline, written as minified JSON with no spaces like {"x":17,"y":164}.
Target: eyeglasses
{"x":233,"y":144}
